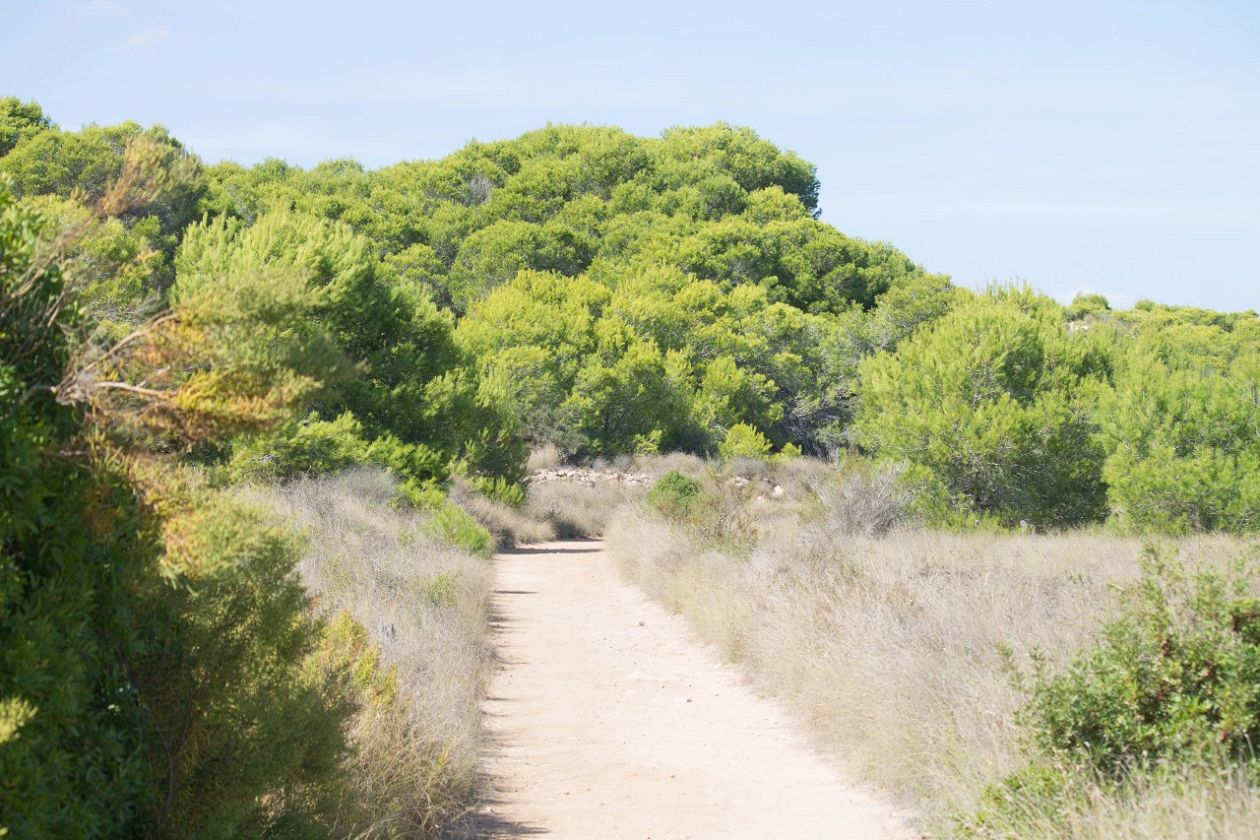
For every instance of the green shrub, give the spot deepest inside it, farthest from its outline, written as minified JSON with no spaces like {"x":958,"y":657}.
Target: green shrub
{"x":500,"y":490}
{"x":744,"y":441}
{"x":406,"y":460}
{"x":1179,"y":428}
{"x":76,"y":562}
{"x":309,"y":447}
{"x":1174,"y":683}
{"x":1177,"y":675}
{"x":226,"y":683}
{"x":675,"y":495}
{"x":453,"y":525}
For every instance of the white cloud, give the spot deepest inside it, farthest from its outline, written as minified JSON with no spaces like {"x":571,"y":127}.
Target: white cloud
{"x":147,"y":37}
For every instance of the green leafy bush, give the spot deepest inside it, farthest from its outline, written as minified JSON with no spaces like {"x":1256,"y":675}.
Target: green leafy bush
{"x":1173,"y":684}
{"x":455,"y":526}
{"x":743,"y":441}
{"x":1180,"y":431}
{"x":448,"y":522}
{"x":151,"y":635}
{"x":226,"y":684}
{"x":1175,"y":677}
{"x":76,"y":557}
{"x":675,"y":495}
{"x":499,"y":490}
{"x":310,"y":447}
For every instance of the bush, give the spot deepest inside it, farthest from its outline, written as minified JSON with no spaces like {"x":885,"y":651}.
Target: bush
{"x":1175,"y":678}
{"x":500,"y":490}
{"x":744,"y":441}
{"x":675,"y":495}
{"x":311,"y":447}
{"x":509,"y":524}
{"x":1180,"y":432}
{"x":1172,"y":689}
{"x":447,"y":522}
{"x":230,"y":682}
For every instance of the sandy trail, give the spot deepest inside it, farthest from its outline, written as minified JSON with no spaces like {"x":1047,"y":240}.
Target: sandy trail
{"x":607,"y":721}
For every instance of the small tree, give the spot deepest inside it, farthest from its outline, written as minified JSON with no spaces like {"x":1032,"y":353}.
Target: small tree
{"x":991,"y":400}
{"x":744,"y":441}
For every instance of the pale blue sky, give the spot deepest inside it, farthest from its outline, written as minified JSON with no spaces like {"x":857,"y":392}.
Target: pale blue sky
{"x":1112,"y":147}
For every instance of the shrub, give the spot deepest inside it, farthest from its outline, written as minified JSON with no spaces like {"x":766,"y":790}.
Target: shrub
{"x":447,"y":521}
{"x":509,"y":524}
{"x":744,"y":441}
{"x":455,"y":526}
{"x":1171,"y":689}
{"x":1180,"y":432}
{"x":226,"y":683}
{"x":500,"y":490}
{"x":306,"y":448}
{"x":675,"y":495}
{"x":1175,"y":677}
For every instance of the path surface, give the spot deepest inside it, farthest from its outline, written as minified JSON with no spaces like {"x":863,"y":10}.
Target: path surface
{"x":607,"y":720}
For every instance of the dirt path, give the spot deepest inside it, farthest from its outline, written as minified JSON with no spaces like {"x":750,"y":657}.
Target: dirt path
{"x":607,"y":721}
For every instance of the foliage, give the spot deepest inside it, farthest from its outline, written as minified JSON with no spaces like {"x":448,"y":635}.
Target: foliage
{"x":1177,"y":674}
{"x":992,"y":401}
{"x":1171,"y":684}
{"x":676,"y":495}
{"x":454,"y":526}
{"x":20,"y":121}
{"x":744,"y":441}
{"x":396,"y":367}
{"x":227,"y":682}
{"x":659,"y":290}
{"x":1180,"y":431}
{"x":67,"y":532}
{"x":152,"y":634}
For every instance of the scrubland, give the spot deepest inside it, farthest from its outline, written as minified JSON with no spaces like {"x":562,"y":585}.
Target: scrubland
{"x":907,"y":651}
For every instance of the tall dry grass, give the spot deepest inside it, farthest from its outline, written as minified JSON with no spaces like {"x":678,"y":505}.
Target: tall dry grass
{"x":508,"y":525}
{"x":425,"y":606}
{"x":572,"y":509}
{"x":889,"y":646}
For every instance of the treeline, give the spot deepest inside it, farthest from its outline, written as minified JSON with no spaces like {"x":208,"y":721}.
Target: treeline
{"x":169,"y":328}
{"x":608,"y":294}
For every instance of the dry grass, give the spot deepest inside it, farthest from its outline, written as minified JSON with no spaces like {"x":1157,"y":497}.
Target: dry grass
{"x":509,"y":526}
{"x":573,"y":509}
{"x":426,"y":607}
{"x":888,"y":646}
{"x":1199,"y":803}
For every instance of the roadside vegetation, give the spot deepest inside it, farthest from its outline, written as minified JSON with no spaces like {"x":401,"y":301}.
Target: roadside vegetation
{"x":1071,"y":684}
{"x":417,"y":610}
{"x":261,"y":429}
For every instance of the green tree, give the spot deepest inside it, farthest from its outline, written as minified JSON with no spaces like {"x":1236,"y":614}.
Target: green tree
{"x":992,"y":400}
{"x":1180,"y":431}
{"x":20,"y":121}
